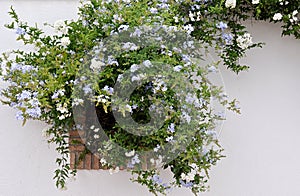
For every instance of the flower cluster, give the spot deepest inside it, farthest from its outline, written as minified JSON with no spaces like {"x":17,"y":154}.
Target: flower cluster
{"x":83,"y":64}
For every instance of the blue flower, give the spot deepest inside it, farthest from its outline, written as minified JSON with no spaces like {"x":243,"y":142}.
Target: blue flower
{"x":15,"y":67}
{"x":55,"y":95}
{"x":153,"y":10}
{"x":177,"y":68}
{"x":227,"y":38}
{"x":135,"y":160}
{"x":19,"y":115}
{"x":112,"y":61}
{"x":27,"y":68}
{"x":186,"y":58}
{"x":130,"y":166}
{"x":149,"y":86}
{"x":171,"y":128}
{"x":24,"y":95}
{"x":195,"y":7}
{"x":186,"y":184}
{"x":23,"y":68}
{"x":85,"y":23}
{"x":87,"y":89}
{"x":34,"y":102}
{"x":108,"y":89}
{"x":20,"y":31}
{"x":137,"y":33}
{"x":211,"y":133}
{"x":222,"y":26}
{"x":34,"y":112}
{"x":157,"y":179}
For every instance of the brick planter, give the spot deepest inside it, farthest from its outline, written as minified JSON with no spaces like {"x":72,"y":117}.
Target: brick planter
{"x":77,"y":148}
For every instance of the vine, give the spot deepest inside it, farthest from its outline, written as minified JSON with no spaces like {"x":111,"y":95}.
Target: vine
{"x":130,"y":42}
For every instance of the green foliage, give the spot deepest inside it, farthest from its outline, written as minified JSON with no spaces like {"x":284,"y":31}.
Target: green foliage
{"x":42,"y":81}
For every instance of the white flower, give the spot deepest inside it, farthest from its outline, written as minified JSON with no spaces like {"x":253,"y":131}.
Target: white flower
{"x":282,"y":2}
{"x":62,"y":108}
{"x":126,"y":1}
{"x":152,"y":161}
{"x":86,"y":3}
{"x":191,"y":15}
{"x":244,"y":41}
{"x":138,"y":77}
{"x":103,"y":161}
{"x":96,"y":65}
{"x":77,"y":102}
{"x":158,"y":162}
{"x":255,"y":1}
{"x":295,"y":12}
{"x":128,"y":108}
{"x":130,"y":154}
{"x":230,"y":4}
{"x":189,"y":28}
{"x":129,"y":46}
{"x":198,"y":16}
{"x":294,"y":17}
{"x":183,"y":176}
{"x":123,"y":28}
{"x":176,"y":19}
{"x":117,"y":18}
{"x":135,"y":78}
{"x":194,"y":166}
{"x":60,"y":26}
{"x":61,"y":117}
{"x":65,"y":41}
{"x":114,"y":171}
{"x":277,"y":16}
{"x":134,"y":67}
{"x":169,"y":139}
{"x":190,"y":177}
{"x":156,"y":148}
{"x":205,"y":121}
{"x":147,"y":63}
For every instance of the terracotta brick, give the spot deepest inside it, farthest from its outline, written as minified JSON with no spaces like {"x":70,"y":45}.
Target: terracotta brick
{"x":76,"y":141}
{"x":76,"y":148}
{"x":79,"y":163}
{"x":72,"y":160}
{"x":122,"y":167}
{"x":81,"y":119}
{"x":88,"y":161}
{"x":95,"y":162}
{"x":76,"y":134}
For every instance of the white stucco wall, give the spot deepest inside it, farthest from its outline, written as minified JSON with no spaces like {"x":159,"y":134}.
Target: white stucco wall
{"x":262,"y":145}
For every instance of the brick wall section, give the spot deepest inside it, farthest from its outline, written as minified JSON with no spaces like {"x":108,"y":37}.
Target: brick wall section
{"x":90,"y":162}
